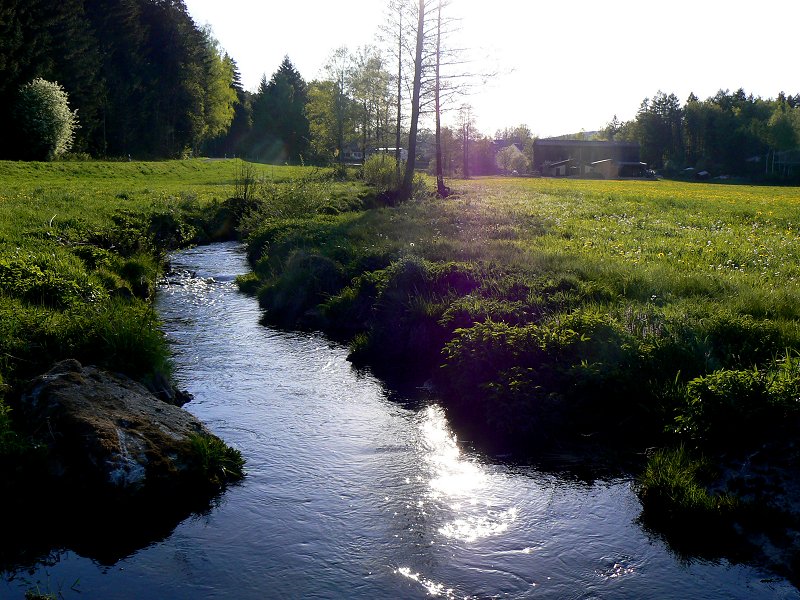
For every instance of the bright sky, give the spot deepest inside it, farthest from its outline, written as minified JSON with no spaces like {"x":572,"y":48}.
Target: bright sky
{"x":563,"y":66}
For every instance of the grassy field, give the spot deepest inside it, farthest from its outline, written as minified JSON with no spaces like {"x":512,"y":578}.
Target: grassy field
{"x":82,"y":246}
{"x":631,"y":314}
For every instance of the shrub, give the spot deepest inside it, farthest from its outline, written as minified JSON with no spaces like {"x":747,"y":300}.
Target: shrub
{"x":740,"y":404}
{"x":45,"y":121}
{"x":141,"y":273}
{"x":47,"y":281}
{"x":382,"y":171}
{"x":402,"y":306}
{"x":7,"y":435}
{"x":307,"y":280}
{"x":741,"y":340}
{"x":123,"y":335}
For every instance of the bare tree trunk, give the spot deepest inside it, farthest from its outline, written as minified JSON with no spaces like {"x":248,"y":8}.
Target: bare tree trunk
{"x":465,"y":118}
{"x":408,"y":178}
{"x":364,"y":130}
{"x":465,"y":144}
{"x":441,"y":189}
{"x":399,"y":93}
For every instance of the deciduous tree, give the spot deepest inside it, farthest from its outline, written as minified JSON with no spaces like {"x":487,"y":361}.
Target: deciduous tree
{"x":408,"y":177}
{"x":44,"y":119}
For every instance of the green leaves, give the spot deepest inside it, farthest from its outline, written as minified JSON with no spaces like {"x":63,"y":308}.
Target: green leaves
{"x":740,"y":404}
{"x":45,"y":120}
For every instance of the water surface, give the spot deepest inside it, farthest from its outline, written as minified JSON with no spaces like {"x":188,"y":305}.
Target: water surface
{"x":355,"y":492}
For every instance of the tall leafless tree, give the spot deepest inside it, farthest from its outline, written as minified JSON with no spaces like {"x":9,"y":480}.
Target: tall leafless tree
{"x":442,"y":191}
{"x":466,"y":125}
{"x":408,"y":178}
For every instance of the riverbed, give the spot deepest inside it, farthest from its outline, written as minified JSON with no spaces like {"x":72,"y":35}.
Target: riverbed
{"x":355,"y":490}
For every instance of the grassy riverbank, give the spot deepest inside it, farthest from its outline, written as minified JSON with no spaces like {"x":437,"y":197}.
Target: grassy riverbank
{"x":550,"y":312}
{"x":82,"y":246}
{"x":608,"y":297}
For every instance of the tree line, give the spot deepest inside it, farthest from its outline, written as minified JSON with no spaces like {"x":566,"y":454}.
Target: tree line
{"x":144,"y":79}
{"x":729,"y":133}
{"x":147,"y":81}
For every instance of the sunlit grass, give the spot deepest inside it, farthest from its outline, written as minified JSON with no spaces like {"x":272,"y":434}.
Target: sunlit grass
{"x":673,"y":488}
{"x":657,"y":281}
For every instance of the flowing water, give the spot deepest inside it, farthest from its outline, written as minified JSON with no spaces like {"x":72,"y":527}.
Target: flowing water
{"x":356,"y":492}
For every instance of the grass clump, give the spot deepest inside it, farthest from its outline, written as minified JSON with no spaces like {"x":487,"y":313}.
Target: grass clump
{"x":746,"y":405}
{"x":217,"y":463}
{"x":673,"y":489}
{"x":382,"y":172}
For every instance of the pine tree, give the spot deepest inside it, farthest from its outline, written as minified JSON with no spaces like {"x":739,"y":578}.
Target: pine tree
{"x":280,"y":125}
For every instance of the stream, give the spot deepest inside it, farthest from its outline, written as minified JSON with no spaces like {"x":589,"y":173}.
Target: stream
{"x":355,"y":491}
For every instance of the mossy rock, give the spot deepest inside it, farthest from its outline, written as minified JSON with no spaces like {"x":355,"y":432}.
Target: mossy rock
{"x":108,"y":433}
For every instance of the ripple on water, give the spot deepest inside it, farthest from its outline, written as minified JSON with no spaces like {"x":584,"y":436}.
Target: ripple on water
{"x":351,"y":494}
{"x":617,"y":567}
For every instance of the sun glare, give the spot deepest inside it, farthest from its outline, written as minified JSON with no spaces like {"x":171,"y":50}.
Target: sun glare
{"x":461,"y":486}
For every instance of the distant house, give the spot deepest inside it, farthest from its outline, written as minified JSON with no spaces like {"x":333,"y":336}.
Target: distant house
{"x":352,"y":154}
{"x":609,"y":168}
{"x":390,"y":152}
{"x":550,"y":155}
{"x":556,"y":169}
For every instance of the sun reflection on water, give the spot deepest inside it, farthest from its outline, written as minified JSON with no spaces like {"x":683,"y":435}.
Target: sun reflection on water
{"x":433,"y":588}
{"x":459,"y":483}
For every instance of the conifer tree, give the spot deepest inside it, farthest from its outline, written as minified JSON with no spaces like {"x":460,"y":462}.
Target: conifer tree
{"x":280,"y":124}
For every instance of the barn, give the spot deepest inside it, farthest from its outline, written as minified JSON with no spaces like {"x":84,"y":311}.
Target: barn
{"x":581,"y":154}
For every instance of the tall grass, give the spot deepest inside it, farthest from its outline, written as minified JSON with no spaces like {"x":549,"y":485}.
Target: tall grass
{"x":673,"y":488}
{"x":645,"y":286}
{"x":82,"y":245}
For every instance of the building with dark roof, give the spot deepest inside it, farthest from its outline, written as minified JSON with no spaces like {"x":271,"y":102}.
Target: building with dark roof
{"x":579,"y":155}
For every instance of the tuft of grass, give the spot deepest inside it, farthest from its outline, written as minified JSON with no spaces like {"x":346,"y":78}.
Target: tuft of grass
{"x":673,"y":490}
{"x":217,"y":463}
{"x":39,"y":595}
{"x":8,"y":438}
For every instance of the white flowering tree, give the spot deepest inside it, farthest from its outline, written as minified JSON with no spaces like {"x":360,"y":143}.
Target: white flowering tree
{"x":44,"y":119}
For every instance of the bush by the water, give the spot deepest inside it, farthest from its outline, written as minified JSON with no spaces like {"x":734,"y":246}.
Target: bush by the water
{"x":741,"y":404}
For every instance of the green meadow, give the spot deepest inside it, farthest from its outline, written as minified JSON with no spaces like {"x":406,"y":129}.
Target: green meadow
{"x":627,"y":314}
{"x":83,"y":244}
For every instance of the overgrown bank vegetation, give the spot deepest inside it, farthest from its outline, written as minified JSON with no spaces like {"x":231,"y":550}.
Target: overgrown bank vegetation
{"x":82,"y":246}
{"x":623,"y":300}
{"x":546,"y":312}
